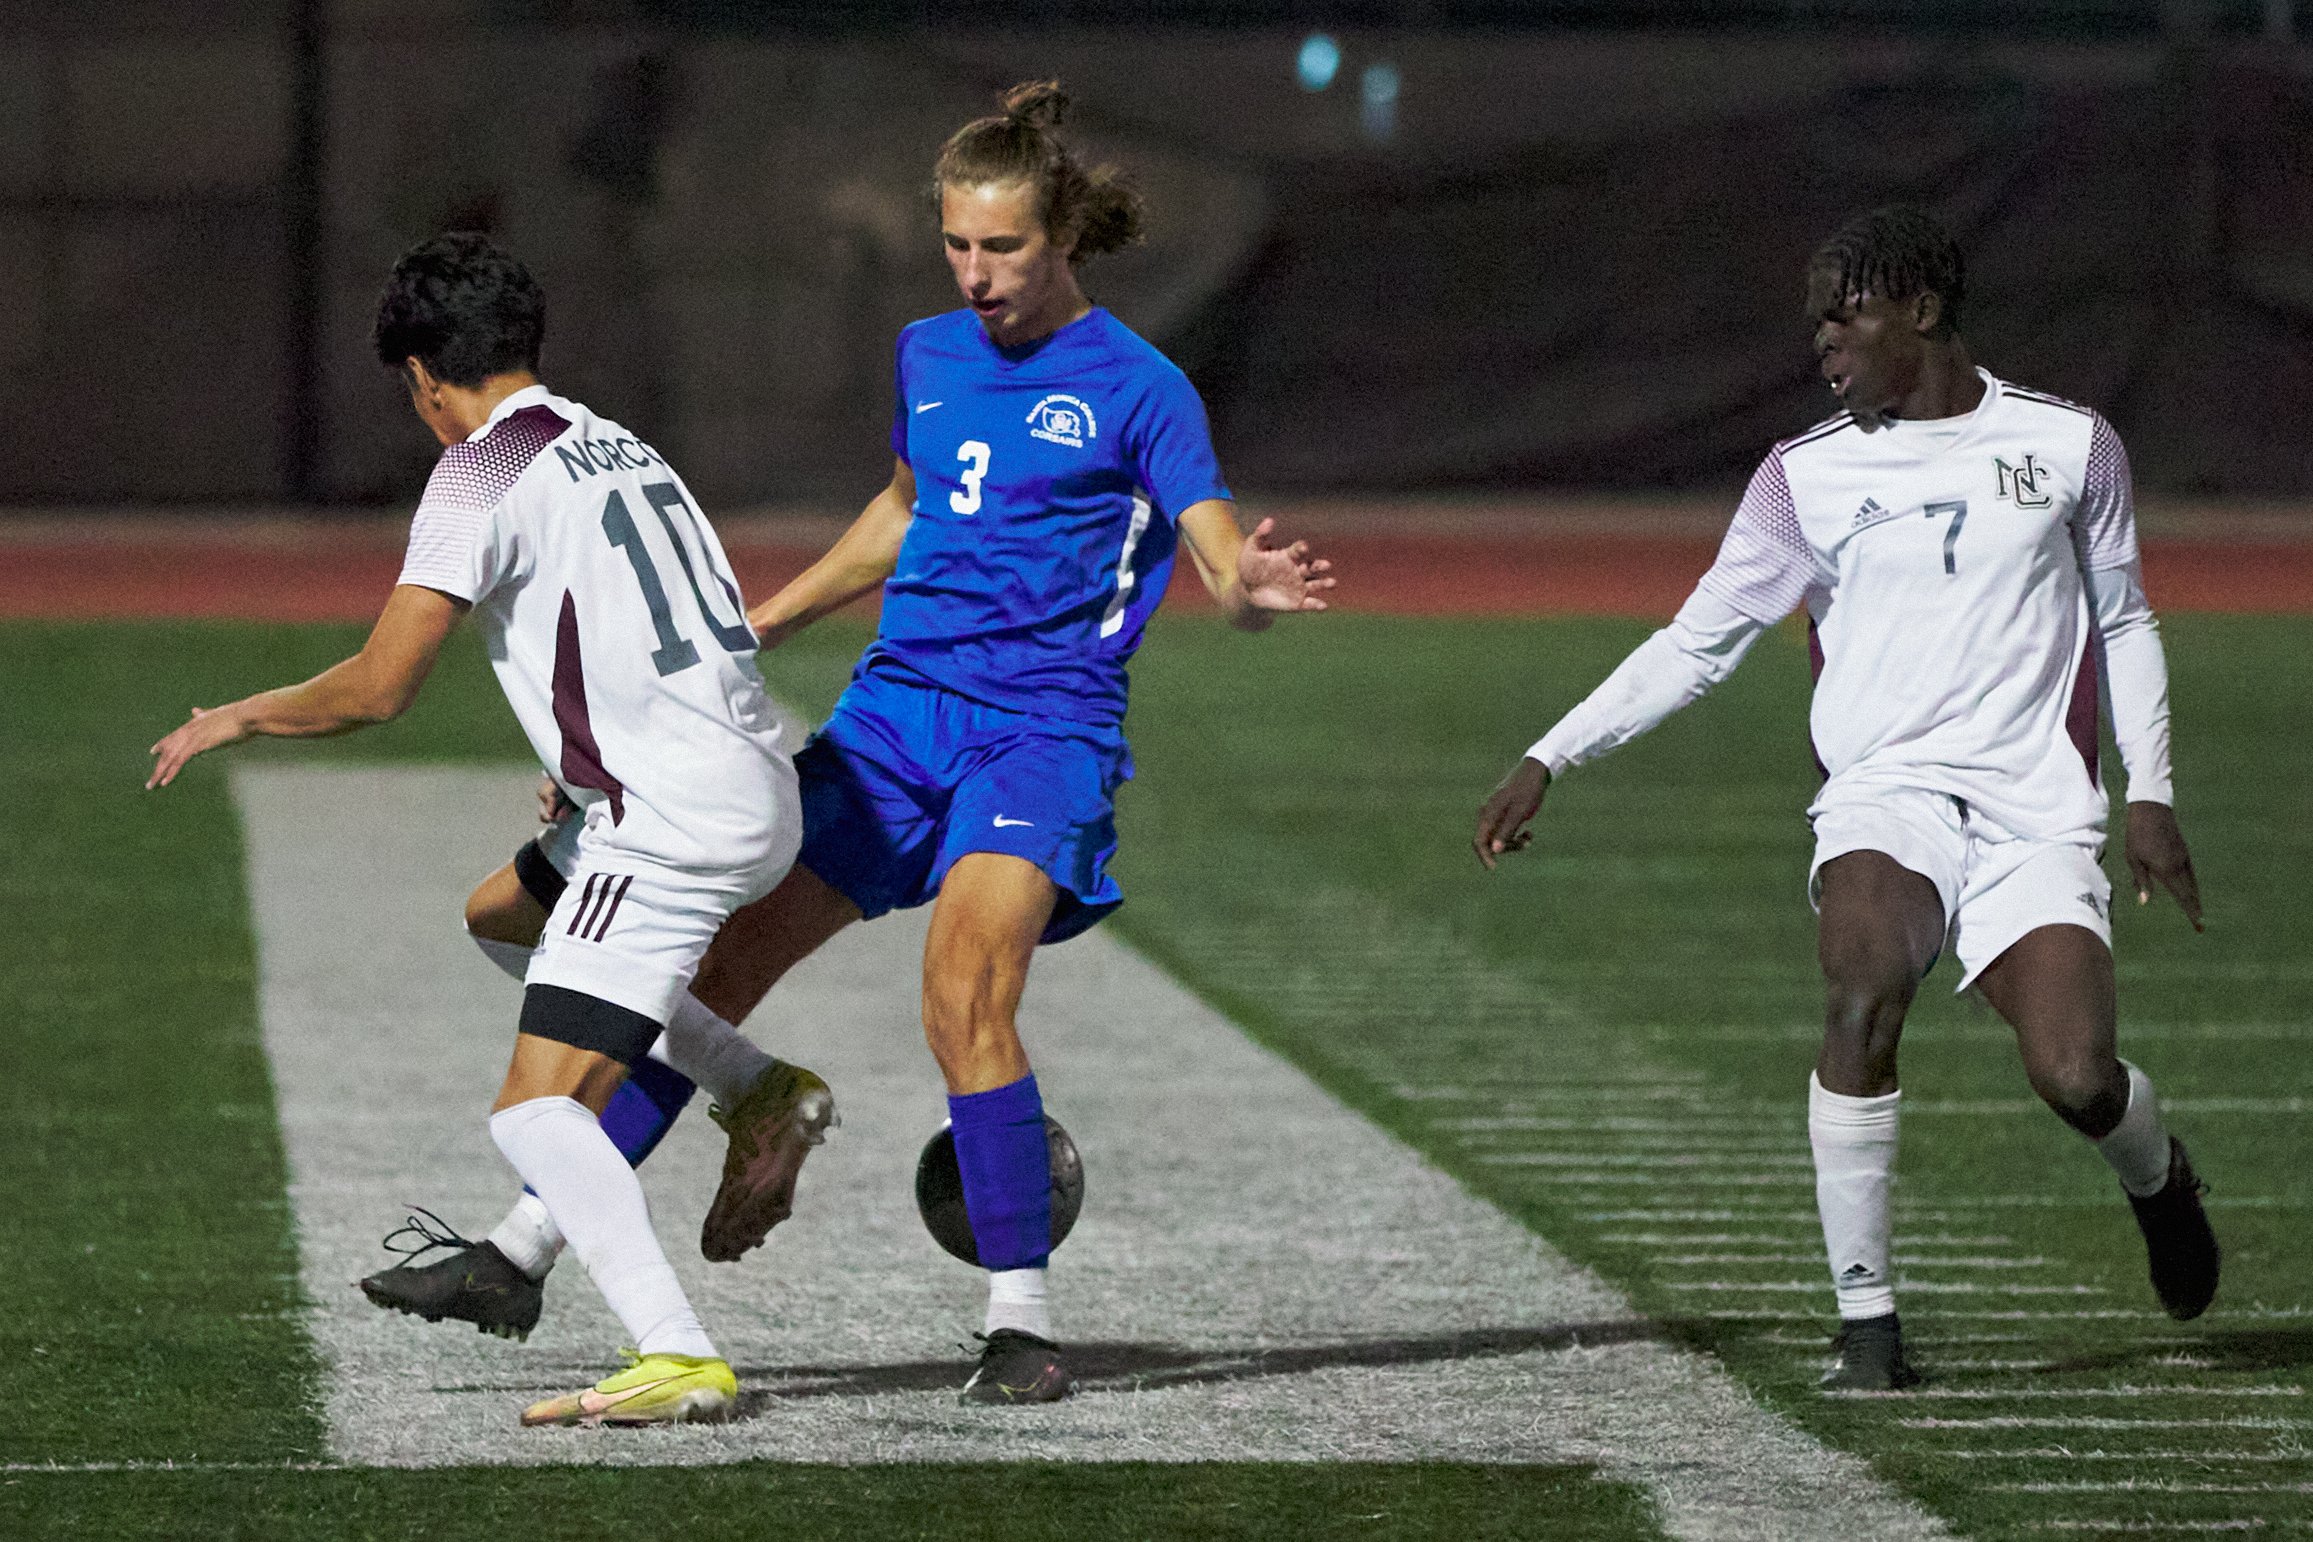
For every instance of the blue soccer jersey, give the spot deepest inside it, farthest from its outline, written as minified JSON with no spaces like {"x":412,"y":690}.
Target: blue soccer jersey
{"x":1048,"y":480}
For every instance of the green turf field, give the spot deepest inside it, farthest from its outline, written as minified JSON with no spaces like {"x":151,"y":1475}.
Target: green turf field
{"x":1610,"y":1038}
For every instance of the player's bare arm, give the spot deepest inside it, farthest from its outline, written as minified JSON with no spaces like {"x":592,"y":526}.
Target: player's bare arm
{"x":1253,"y":580}
{"x":864,"y":556}
{"x":376,"y":685}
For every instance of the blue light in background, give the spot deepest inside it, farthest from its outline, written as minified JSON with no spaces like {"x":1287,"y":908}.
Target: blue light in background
{"x":1377,"y":90}
{"x":1318,"y":62}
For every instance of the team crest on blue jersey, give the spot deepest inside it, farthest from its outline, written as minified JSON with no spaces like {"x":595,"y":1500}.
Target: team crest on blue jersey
{"x":1063,"y":419}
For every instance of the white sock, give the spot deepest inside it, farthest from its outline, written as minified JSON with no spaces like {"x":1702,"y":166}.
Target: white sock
{"x":2137,"y":1147}
{"x":558,"y":1147}
{"x":512,"y":957}
{"x":1017,"y":1299}
{"x":1854,"y":1141}
{"x":711,"y":1052}
{"x":529,"y":1237}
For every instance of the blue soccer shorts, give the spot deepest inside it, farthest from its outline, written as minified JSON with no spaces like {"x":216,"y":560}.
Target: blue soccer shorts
{"x":907,"y":776}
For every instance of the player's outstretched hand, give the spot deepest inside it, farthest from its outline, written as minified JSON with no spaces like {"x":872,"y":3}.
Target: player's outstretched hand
{"x":1502,"y":822}
{"x":1281,"y":578}
{"x":2156,"y":853}
{"x":210,"y":728}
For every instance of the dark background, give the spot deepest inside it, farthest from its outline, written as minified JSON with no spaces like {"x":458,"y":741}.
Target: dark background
{"x":1527,"y":247}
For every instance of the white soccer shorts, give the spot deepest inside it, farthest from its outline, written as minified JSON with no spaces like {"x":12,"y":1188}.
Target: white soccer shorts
{"x":1995,"y":886}
{"x":558,"y":842}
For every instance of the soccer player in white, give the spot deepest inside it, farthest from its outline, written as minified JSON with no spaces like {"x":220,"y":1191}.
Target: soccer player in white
{"x":621,"y":643}
{"x":1966,"y":553}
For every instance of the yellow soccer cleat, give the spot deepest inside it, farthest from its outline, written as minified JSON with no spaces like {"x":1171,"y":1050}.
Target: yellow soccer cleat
{"x":653,"y":1389}
{"x":772,"y":1129}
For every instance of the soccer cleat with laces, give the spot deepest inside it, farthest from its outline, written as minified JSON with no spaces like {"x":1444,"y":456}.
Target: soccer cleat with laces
{"x":2178,"y":1242}
{"x":653,"y":1389}
{"x":772,"y":1129}
{"x":476,"y":1283}
{"x":1870,"y":1358}
{"x":1018,"y":1367}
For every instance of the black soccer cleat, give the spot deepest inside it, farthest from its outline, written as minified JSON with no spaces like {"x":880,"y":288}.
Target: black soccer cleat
{"x":2178,"y":1242}
{"x":476,"y":1283}
{"x":1018,"y":1367}
{"x":1870,"y":1357}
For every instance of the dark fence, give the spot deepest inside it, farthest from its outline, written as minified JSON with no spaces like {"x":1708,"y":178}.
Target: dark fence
{"x":1393,"y":257}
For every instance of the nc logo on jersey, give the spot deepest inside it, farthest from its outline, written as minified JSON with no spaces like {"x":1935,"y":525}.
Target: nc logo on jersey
{"x":1063,"y":419}
{"x":2020,"y":485}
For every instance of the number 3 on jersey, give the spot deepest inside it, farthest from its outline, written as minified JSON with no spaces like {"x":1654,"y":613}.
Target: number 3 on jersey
{"x":974,"y":454}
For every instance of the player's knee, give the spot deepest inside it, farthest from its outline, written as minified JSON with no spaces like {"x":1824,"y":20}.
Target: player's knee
{"x":1866,"y":986}
{"x":484,"y":917}
{"x":2084,"y":1090}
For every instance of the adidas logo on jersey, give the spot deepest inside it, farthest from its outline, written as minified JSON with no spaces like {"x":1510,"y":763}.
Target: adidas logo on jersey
{"x":1870,"y":514}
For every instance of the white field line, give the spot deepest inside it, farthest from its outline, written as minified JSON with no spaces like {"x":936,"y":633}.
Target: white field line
{"x":1680,"y":1161}
{"x":2099,"y":1422}
{"x":1935,"y":1107}
{"x":2147,"y":1486}
{"x":1744,"y":1131}
{"x":2016,"y":1394}
{"x":1259,"y":1272}
{"x":196,"y":1465}
{"x":1672,"y":1217}
{"x":1917,"y":1287}
{"x":2215,"y":1458}
{"x":1946,"y":1365}
{"x":2157,"y":1528}
{"x":1682,"y":1181}
{"x":1666,"y":1239}
{"x":1918,"y":1260}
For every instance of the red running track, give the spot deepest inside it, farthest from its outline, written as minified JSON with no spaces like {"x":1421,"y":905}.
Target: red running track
{"x":125,"y":573}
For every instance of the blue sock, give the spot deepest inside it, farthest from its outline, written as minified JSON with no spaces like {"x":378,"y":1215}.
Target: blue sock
{"x":1007,"y":1167}
{"x":640,"y":1113}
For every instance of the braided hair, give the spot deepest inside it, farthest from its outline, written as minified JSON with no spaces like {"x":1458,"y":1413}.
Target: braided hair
{"x":1895,"y":252}
{"x":1099,"y":206}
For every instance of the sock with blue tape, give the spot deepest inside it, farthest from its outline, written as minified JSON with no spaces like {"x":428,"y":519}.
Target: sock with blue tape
{"x":1006,"y":1164}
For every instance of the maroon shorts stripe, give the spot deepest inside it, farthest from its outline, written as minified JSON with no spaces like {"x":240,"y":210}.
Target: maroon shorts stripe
{"x":617,"y":894}
{"x":585,"y":899}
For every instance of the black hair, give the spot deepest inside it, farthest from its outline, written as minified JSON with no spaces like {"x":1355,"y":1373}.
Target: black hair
{"x":1099,"y":205}
{"x":1895,"y":252}
{"x":464,"y":307}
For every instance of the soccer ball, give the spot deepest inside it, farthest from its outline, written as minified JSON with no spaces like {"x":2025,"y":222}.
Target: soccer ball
{"x":940,"y":1190}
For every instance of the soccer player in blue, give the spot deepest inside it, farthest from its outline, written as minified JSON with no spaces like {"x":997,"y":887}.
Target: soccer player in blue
{"x":1048,"y":467}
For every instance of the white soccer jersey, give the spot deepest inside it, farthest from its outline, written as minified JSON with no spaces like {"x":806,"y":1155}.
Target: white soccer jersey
{"x":1941,"y":566}
{"x":618,"y":635}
